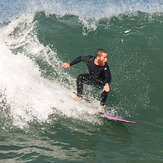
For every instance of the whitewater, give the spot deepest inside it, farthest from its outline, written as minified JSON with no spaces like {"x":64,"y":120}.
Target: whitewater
{"x":41,"y":123}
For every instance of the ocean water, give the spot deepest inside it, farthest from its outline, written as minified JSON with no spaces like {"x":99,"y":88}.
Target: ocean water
{"x":39,"y":122}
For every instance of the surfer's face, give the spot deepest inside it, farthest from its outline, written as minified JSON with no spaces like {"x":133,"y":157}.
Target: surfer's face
{"x":102,"y":59}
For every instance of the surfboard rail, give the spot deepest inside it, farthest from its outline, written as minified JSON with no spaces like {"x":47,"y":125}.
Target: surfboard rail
{"x":115,"y":118}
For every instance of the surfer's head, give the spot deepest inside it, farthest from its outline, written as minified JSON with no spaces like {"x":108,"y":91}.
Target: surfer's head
{"x":99,"y":52}
{"x":101,"y":56}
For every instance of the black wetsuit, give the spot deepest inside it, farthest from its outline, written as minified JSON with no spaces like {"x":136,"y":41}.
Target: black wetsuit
{"x":98,"y":76}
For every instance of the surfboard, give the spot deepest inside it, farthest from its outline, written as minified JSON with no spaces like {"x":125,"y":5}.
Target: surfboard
{"x":115,"y":118}
{"x":102,"y":114}
{"x":66,"y":90}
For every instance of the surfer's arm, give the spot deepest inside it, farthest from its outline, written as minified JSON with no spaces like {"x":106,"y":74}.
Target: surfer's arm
{"x":79,"y":59}
{"x":75,"y":61}
{"x":107,"y":78}
{"x":107,"y":74}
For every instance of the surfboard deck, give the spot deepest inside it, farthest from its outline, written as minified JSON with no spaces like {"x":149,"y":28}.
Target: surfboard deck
{"x":54,"y":86}
{"x":115,"y":118}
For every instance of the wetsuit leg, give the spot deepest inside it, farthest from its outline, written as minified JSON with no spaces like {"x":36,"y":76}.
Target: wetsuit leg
{"x":104,"y":96}
{"x":87,"y":79}
{"x":82,"y":79}
{"x":100,"y":84}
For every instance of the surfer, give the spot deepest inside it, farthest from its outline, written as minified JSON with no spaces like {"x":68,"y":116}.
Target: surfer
{"x":99,"y":74}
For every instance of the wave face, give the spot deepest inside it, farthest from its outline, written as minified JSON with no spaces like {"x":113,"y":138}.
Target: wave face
{"x":39,"y":120}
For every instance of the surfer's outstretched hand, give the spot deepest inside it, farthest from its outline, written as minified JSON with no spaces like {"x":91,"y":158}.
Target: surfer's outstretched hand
{"x":65,"y":65}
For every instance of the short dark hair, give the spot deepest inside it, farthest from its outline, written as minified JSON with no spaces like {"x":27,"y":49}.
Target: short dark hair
{"x":99,"y":52}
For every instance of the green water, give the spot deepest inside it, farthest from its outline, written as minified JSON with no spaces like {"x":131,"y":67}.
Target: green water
{"x":40,"y":123}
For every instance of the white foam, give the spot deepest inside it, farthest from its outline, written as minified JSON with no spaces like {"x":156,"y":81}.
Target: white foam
{"x":29,"y":95}
{"x":21,"y":83}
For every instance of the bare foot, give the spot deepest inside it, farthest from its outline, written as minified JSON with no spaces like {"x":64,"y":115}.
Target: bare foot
{"x":76,"y":98}
{"x":102,"y":109}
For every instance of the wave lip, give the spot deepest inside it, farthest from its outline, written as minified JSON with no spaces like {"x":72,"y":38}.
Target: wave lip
{"x":82,"y":9}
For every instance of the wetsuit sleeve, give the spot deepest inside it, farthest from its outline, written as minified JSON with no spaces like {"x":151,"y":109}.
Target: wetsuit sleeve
{"x":107,"y":74}
{"x":79,"y":59}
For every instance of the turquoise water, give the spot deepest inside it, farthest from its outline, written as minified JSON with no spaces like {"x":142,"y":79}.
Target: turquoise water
{"x":41,"y":123}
